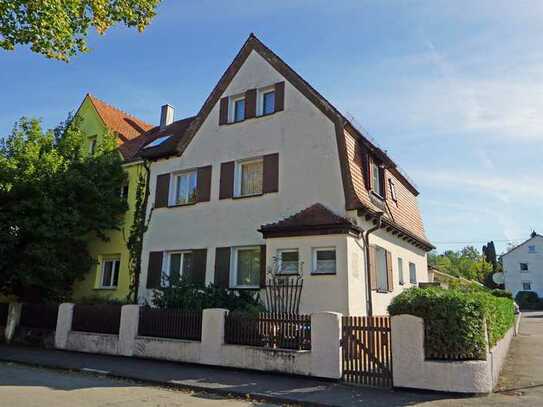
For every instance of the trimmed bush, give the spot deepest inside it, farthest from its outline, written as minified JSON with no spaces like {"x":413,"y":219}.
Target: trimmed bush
{"x":501,"y":293}
{"x":454,"y":320}
{"x":528,"y":300}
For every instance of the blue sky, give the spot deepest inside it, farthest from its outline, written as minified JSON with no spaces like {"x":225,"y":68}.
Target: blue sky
{"x":453,"y":90}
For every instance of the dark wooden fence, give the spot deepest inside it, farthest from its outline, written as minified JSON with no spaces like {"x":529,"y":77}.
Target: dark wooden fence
{"x":4,"y":308}
{"x":39,"y":316}
{"x":367,"y":356}
{"x":98,"y":318}
{"x":273,"y":330}
{"x":170,"y":323}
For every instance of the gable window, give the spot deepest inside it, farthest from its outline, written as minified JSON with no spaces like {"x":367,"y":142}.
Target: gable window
{"x":246,"y":267}
{"x":531,"y":249}
{"x":412,"y":273}
{"x":382,"y":275}
{"x":377,"y":177}
{"x":268,"y":102}
{"x":288,"y":261}
{"x":239,"y":109}
{"x":524,"y":267}
{"x":110,"y":272}
{"x":526,"y":286}
{"x":324,"y":261}
{"x":400,"y":271}
{"x":92,"y":146}
{"x":178,"y":264}
{"x":393,"y":190}
{"x":249,"y":177}
{"x":185,"y":188}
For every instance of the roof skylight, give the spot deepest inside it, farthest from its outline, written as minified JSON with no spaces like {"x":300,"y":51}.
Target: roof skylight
{"x":157,"y":141}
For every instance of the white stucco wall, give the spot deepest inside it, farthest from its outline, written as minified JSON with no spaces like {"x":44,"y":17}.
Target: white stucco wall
{"x":511,"y":265}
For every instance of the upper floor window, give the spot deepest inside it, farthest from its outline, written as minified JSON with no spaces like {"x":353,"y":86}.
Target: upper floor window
{"x":523,"y":266}
{"x":246,"y":267}
{"x":526,"y":286}
{"x":185,"y":188}
{"x":124,"y":192}
{"x":412,"y":273}
{"x":239,"y":109}
{"x":249,"y":177}
{"x":377,"y":179}
{"x":531,"y":249}
{"x":288,"y":261}
{"x":110,"y":272}
{"x":92,"y":146}
{"x":268,"y":102}
{"x":324,"y":261}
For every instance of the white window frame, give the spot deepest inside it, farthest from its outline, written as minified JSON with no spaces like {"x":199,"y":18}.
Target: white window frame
{"x":234,"y":267}
{"x":527,"y":282}
{"x":260,"y":102}
{"x":527,"y":267}
{"x":233,"y":101}
{"x":116,"y":260}
{"x":280,"y":261}
{"x":401,"y":279}
{"x":165,"y":278}
{"x":378,"y":189}
{"x":238,"y":176}
{"x":532,"y":249}
{"x":314,"y":256}
{"x":174,"y":185}
{"x":415,"y":268}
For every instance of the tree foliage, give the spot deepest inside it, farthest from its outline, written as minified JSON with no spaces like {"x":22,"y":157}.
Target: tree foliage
{"x":52,"y":198}
{"x":59,"y":29}
{"x":467,"y":263}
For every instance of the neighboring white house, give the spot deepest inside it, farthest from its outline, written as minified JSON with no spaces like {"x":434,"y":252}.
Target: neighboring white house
{"x":269,"y":173}
{"x":523,"y":266}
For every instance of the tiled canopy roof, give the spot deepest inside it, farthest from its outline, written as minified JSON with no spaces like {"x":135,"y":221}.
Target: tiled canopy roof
{"x":317,"y":219}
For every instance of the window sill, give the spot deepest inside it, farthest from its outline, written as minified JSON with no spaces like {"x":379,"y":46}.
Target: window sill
{"x":180,"y":205}
{"x":250,"y":118}
{"x":105,"y":288}
{"x":377,"y":196}
{"x":323,"y":274}
{"x":246,"y":288}
{"x":288,"y":274}
{"x":248,"y":196}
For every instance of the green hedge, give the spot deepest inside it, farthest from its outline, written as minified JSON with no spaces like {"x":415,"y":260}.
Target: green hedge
{"x":454,"y":319}
{"x":529,"y":300}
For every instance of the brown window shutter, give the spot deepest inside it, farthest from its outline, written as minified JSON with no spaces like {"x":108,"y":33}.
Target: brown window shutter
{"x":250,"y":103}
{"x":226,"y":188}
{"x":383,"y":174}
{"x":222,"y":267}
{"x":373,"y":268}
{"x":263,"y":266}
{"x":203,"y":184}
{"x":271,"y":173}
{"x":223,"y":111}
{"x":390,"y":277}
{"x":162,"y":191}
{"x":198,"y":271}
{"x":279,"y":96}
{"x":154,"y":272}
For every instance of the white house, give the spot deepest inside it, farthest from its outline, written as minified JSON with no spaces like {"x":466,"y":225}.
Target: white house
{"x":270,"y":174}
{"x":523,"y":266}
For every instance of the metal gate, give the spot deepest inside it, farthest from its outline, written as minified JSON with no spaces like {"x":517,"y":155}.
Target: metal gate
{"x":366,"y":349}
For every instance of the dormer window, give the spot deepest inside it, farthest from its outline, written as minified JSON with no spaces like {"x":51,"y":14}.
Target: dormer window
{"x":377,"y":178}
{"x":239,"y":109}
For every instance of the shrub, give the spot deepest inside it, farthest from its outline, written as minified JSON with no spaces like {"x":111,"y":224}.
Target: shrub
{"x":454,"y":319}
{"x":97,"y":299}
{"x":501,"y":293}
{"x":528,"y":300}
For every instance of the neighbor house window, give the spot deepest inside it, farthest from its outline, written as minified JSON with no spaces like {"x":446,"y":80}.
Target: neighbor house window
{"x":110,"y":272}
{"x":381,"y":267}
{"x":185,"y":188}
{"x":124,"y":192}
{"x":412,"y":273}
{"x":523,"y":266}
{"x":288,"y":261}
{"x":239,"y":109}
{"x":249,"y":177}
{"x":324,"y":261}
{"x":178,"y":264}
{"x":377,"y":179}
{"x":531,"y":249}
{"x":268,"y":102}
{"x":246,"y":266}
{"x":526,"y":286}
{"x":92,"y":145}
{"x":393,"y":190}
{"x":400,"y":270}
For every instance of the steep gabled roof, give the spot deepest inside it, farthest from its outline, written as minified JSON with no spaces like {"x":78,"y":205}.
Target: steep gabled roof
{"x":532,"y":236}
{"x":316,"y":219}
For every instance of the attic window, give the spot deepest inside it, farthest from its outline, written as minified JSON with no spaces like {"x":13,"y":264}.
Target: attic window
{"x":157,"y":141}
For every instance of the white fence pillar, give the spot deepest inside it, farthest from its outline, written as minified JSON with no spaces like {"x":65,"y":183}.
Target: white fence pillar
{"x":64,"y":324}
{"x":213,"y":335}
{"x":326,"y":344}
{"x":14,"y":316}
{"x":130,"y":318}
{"x":407,"y":334}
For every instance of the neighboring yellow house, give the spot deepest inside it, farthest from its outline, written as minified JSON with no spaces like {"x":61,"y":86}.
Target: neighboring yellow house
{"x":110,"y":277}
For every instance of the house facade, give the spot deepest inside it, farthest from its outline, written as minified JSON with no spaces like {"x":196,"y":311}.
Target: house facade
{"x":269,"y":176}
{"x":523,"y":266}
{"x":110,"y":277}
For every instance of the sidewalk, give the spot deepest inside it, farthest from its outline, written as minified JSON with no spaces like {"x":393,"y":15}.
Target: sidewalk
{"x":264,"y":386}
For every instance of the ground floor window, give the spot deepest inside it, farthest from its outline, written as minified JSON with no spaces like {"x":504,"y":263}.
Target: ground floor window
{"x":400,"y":271}
{"x":110,"y":272}
{"x":324,"y":260}
{"x":288,"y":260}
{"x":526,"y":286}
{"x":246,"y":267}
{"x":412,"y":273}
{"x":178,"y":264}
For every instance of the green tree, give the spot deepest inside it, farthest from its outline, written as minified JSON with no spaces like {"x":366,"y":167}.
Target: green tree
{"x":59,"y":29}
{"x":467,"y":263}
{"x":52,"y":197}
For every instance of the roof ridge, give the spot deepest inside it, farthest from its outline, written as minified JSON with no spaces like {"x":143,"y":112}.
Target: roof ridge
{"x":92,"y":97}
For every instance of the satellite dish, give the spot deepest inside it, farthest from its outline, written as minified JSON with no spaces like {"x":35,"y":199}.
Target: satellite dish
{"x":498,"y":278}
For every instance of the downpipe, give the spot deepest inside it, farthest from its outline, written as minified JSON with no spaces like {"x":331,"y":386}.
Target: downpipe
{"x":365,"y":238}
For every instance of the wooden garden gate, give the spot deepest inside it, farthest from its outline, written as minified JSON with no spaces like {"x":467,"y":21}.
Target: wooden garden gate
{"x":366,"y":350}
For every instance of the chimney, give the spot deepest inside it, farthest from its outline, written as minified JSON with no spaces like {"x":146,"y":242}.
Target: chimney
{"x":166,"y":115}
